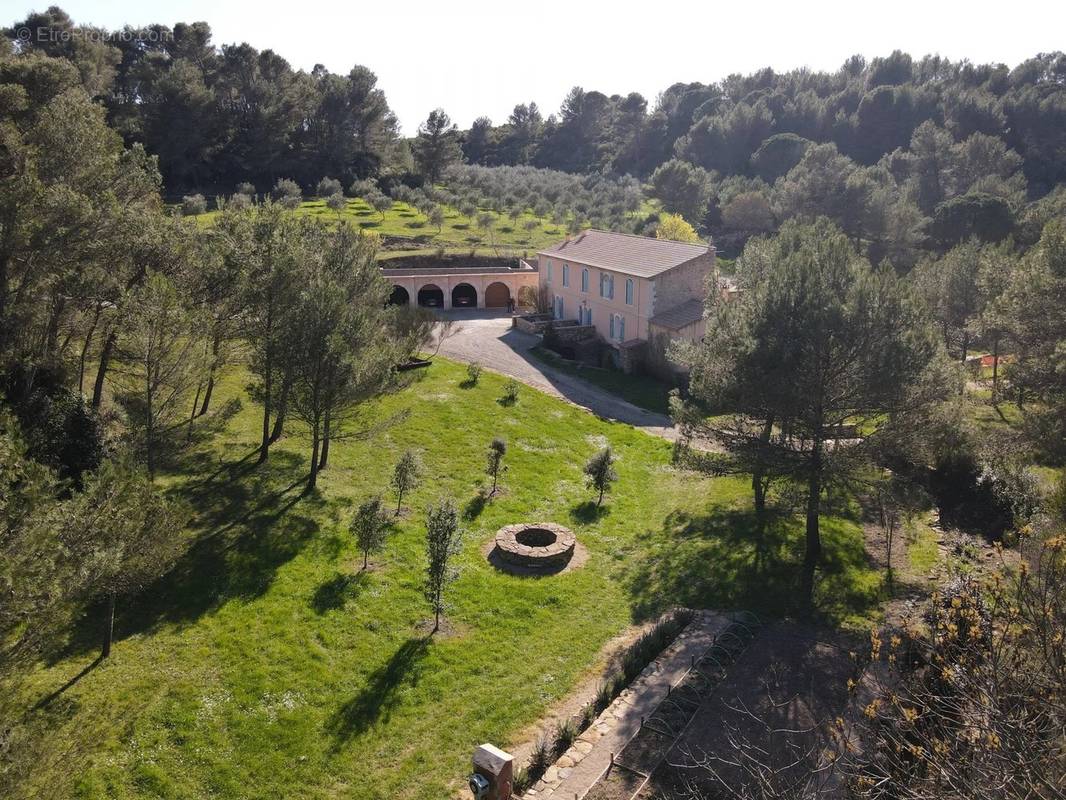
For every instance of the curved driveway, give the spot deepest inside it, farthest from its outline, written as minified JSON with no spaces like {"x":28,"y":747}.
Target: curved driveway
{"x":490,"y":340}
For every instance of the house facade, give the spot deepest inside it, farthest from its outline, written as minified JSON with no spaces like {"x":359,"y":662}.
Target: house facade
{"x":628,"y":288}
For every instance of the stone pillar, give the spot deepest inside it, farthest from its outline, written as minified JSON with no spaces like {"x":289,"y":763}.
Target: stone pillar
{"x":497,"y":767}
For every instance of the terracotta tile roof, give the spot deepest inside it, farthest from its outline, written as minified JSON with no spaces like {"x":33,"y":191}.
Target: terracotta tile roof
{"x":678,"y":317}
{"x":641,"y":256}
{"x":406,"y":272}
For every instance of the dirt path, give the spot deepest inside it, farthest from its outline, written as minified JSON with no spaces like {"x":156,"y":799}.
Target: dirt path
{"x":492,"y":342}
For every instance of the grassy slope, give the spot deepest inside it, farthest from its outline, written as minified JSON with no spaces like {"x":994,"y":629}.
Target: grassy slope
{"x":457,"y":234}
{"x":268,"y":667}
{"x":643,"y":391}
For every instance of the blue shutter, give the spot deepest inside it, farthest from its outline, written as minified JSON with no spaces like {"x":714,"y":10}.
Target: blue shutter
{"x":629,"y":291}
{"x":621,"y":328}
{"x":612,"y":326}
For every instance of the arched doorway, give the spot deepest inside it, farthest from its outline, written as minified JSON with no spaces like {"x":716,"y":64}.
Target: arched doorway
{"x":464,"y":296}
{"x":399,"y":296}
{"x":497,"y":295}
{"x":431,"y":295}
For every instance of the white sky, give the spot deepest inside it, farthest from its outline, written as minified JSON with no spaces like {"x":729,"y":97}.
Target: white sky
{"x":477,"y":57}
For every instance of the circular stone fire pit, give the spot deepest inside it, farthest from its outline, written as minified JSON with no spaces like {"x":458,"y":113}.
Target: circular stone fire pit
{"x":536,"y":545}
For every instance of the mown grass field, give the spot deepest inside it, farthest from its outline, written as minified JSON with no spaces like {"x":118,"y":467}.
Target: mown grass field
{"x":457,"y":234}
{"x":267,"y":665}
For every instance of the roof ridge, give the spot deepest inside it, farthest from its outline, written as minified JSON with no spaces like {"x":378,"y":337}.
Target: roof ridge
{"x":708,"y":245}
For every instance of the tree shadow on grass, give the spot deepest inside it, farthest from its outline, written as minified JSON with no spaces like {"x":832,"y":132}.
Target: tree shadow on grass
{"x":381,"y":693}
{"x":738,"y":559}
{"x":244,"y":531}
{"x":476,"y":504}
{"x":54,"y":695}
{"x":588,"y":512}
{"x":337,"y":591}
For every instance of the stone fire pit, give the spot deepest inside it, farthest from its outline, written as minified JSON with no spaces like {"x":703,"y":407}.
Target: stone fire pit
{"x":536,"y":545}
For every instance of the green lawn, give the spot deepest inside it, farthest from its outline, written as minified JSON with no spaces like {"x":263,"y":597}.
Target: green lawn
{"x":922,"y":551}
{"x":268,"y":666}
{"x":643,"y":391}
{"x":458,"y":233}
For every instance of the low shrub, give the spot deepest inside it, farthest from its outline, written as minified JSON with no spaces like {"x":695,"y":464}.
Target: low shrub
{"x":239,"y":201}
{"x":604,"y":695}
{"x":565,"y":735}
{"x":327,"y":187}
{"x":473,"y":373}
{"x":522,"y":781}
{"x":288,"y":193}
{"x":540,"y":759}
{"x":510,"y":393}
{"x":193,"y":204}
{"x":586,"y":717}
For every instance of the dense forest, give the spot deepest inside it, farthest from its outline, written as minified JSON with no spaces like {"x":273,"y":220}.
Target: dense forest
{"x":902,"y":154}
{"x":218,"y":116}
{"x":905,"y":155}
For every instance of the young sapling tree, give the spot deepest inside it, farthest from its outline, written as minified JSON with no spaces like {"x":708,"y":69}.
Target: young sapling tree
{"x":600,"y":474}
{"x":405,"y":476}
{"x":443,"y":543}
{"x":494,"y":462}
{"x":370,"y":527}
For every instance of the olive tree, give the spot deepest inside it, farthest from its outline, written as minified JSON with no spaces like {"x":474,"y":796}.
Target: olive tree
{"x":443,"y":543}
{"x":405,"y":476}
{"x":600,"y":473}
{"x":369,"y":527}
{"x":494,"y":461}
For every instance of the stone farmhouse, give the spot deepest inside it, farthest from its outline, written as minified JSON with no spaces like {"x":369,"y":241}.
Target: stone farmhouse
{"x":635,"y":293}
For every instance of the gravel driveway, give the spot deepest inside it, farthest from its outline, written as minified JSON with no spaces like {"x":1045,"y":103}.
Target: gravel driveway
{"x":490,"y":340}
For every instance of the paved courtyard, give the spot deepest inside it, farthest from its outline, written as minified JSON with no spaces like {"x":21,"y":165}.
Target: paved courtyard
{"x":488,"y":338}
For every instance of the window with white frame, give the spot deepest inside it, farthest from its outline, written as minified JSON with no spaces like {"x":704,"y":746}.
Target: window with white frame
{"x":549,"y":265}
{"x":584,"y":280}
{"x":618,"y":327}
{"x":566,"y":274}
{"x":629,"y":291}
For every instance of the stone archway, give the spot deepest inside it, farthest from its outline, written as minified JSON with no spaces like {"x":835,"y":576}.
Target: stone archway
{"x":431,"y":296}
{"x":399,"y":296}
{"x":464,"y":296}
{"x":497,"y":295}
